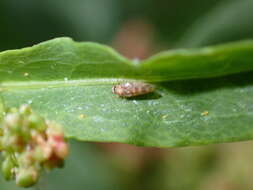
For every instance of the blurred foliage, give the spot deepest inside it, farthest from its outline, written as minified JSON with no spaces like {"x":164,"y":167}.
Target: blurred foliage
{"x":230,"y":20}
{"x":181,"y":23}
{"x":176,"y":23}
{"x":219,"y":167}
{"x":86,"y":168}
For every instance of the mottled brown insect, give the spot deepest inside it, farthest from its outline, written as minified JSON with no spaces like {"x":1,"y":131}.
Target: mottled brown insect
{"x":131,"y":89}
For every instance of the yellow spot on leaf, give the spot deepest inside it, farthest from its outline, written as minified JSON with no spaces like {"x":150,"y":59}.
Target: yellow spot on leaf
{"x":205,"y":113}
{"x":164,"y":116}
{"x":81,"y":116}
{"x":26,"y":74}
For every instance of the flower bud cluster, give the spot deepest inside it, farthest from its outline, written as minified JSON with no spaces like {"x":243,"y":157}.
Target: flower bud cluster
{"x":29,"y":144}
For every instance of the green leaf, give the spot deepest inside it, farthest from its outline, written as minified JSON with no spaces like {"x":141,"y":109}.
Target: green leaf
{"x":1,"y":108}
{"x":71,"y":83}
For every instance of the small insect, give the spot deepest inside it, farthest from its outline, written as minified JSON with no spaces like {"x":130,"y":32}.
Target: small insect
{"x":131,"y":89}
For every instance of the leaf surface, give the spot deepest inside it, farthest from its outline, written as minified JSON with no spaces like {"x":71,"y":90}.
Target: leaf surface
{"x":71,"y":83}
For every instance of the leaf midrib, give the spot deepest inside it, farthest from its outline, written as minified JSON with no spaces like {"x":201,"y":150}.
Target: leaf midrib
{"x":63,"y":83}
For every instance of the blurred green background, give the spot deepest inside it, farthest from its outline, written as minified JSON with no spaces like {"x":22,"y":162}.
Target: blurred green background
{"x":137,"y":29}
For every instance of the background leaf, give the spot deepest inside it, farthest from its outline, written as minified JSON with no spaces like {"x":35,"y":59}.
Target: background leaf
{"x":227,"y":21}
{"x":71,"y":83}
